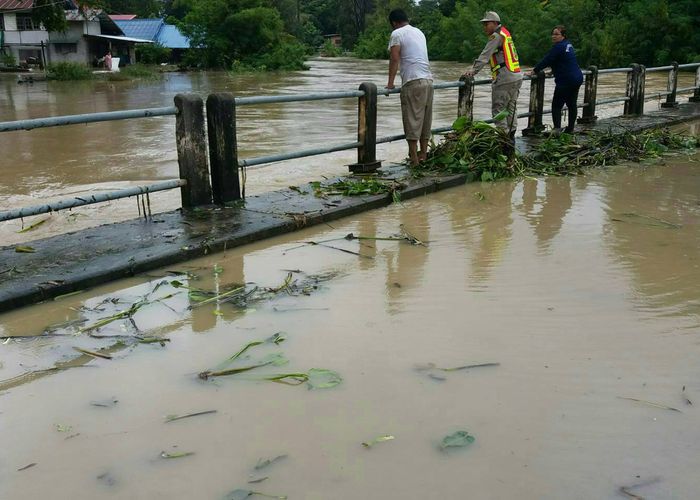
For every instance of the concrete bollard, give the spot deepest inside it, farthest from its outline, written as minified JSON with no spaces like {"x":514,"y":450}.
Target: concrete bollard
{"x":671,"y":87}
{"x":465,"y":103}
{"x":534,"y":121}
{"x":696,"y":95}
{"x":634,"y":106}
{"x":192,"y":150}
{"x":223,"y":149}
{"x":367,"y":131}
{"x":590,"y":94}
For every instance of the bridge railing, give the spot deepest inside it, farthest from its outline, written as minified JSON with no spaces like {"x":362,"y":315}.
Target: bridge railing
{"x":214,"y":175}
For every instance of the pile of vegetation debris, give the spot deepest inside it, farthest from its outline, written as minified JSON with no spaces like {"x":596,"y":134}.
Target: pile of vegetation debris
{"x":483,"y":152}
{"x":486,"y":153}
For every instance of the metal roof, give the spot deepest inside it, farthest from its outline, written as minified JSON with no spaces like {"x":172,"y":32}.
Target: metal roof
{"x":122,"y":17}
{"x":171,"y":38}
{"x":154,"y":30}
{"x":141,"y":28}
{"x":16,"y":4}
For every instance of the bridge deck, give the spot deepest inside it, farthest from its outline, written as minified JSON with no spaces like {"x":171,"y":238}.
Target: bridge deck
{"x":79,"y":260}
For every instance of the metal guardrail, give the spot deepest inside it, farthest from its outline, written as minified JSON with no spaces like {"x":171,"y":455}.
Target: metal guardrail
{"x":89,"y":200}
{"x":56,"y":121}
{"x":191,"y":136}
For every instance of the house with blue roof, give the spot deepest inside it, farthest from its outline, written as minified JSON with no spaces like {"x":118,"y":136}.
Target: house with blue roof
{"x":157,"y":31}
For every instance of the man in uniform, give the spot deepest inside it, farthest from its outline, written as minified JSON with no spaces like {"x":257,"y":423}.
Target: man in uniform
{"x":409,"y":51}
{"x":501,"y":55}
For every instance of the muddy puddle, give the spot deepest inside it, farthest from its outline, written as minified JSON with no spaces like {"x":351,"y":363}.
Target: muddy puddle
{"x":579,"y":295}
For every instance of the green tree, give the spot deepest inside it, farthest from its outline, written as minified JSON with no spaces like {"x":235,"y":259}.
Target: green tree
{"x":248,"y":31}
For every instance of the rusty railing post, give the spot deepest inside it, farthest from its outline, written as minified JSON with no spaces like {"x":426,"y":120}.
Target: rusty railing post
{"x":367,"y":131}
{"x":671,"y":87}
{"x":696,"y":95}
{"x":465,"y":104}
{"x":192,"y":150}
{"x":534,"y":120}
{"x":223,"y":149}
{"x":590,"y":94}
{"x":634,"y":106}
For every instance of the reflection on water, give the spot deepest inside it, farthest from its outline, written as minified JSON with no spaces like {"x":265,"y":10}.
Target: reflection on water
{"x":54,"y":163}
{"x":583,"y":289}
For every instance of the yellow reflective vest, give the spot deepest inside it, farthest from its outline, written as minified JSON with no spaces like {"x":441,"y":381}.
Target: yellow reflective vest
{"x":506,"y":56}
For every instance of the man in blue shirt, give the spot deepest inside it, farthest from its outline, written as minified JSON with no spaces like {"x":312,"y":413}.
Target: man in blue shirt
{"x":567,"y":77}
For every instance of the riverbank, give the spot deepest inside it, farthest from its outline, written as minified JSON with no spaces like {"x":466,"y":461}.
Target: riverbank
{"x":75,"y":261}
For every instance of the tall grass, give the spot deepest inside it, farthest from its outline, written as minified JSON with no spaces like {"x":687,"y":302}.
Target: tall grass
{"x":67,"y":71}
{"x":135,"y":72}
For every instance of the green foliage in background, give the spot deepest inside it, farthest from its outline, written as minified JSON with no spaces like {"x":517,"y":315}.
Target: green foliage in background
{"x":256,"y":33}
{"x":152,"y":53}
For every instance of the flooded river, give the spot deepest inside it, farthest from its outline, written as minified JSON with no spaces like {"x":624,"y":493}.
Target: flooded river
{"x":50,"y":164}
{"x":580,"y":293}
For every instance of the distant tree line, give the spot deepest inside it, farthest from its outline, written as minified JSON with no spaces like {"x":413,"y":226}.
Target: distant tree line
{"x":279,"y":34}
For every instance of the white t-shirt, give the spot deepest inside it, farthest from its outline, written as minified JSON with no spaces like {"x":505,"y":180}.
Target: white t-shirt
{"x":414,"y":53}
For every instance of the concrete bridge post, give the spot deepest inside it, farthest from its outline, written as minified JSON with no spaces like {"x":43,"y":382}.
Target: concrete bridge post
{"x":590,"y":94}
{"x":223,"y":148}
{"x":634,"y":106}
{"x":367,"y":131}
{"x":534,"y":120}
{"x":696,"y":95}
{"x":465,"y":104}
{"x":671,"y":87}
{"x":192,"y":150}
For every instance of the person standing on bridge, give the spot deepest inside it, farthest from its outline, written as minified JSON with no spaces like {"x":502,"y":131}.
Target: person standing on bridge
{"x":409,"y":51}
{"x":501,"y":55}
{"x":567,"y":77}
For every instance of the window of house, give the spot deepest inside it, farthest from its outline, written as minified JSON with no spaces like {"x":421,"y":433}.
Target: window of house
{"x":25,"y":23}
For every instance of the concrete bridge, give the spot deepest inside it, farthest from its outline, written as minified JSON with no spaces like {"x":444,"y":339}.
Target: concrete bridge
{"x":215,"y":214}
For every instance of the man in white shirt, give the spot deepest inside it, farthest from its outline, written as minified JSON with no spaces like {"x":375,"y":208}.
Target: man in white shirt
{"x":408,"y":49}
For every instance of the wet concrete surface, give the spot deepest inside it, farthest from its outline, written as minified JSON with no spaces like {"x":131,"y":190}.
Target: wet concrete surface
{"x":75,"y":261}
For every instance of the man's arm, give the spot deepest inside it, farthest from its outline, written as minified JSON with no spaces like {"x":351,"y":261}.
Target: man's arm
{"x":483,"y":59}
{"x":394,"y":58}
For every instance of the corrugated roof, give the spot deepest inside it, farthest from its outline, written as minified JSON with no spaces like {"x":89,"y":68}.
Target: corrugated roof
{"x":141,"y":28}
{"x":16,"y":4}
{"x":122,"y":17}
{"x":171,"y":37}
{"x":155,"y":30}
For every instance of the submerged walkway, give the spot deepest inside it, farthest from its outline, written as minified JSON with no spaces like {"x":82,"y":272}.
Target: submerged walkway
{"x":79,"y":260}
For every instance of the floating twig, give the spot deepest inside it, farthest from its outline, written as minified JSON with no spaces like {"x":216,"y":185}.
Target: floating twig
{"x":172,"y":418}
{"x":177,"y":454}
{"x":651,"y":403}
{"x":93,"y":353}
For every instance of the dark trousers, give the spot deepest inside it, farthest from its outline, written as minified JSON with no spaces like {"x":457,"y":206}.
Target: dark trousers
{"x":565,"y":94}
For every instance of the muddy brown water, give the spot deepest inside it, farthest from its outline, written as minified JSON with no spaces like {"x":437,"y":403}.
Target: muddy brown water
{"x":62,"y":162}
{"x":583,"y":289}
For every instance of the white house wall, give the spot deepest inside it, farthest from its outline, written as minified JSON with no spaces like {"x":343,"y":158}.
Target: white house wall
{"x":22,"y":40}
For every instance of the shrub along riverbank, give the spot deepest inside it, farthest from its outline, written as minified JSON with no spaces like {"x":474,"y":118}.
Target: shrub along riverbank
{"x":69,"y":71}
